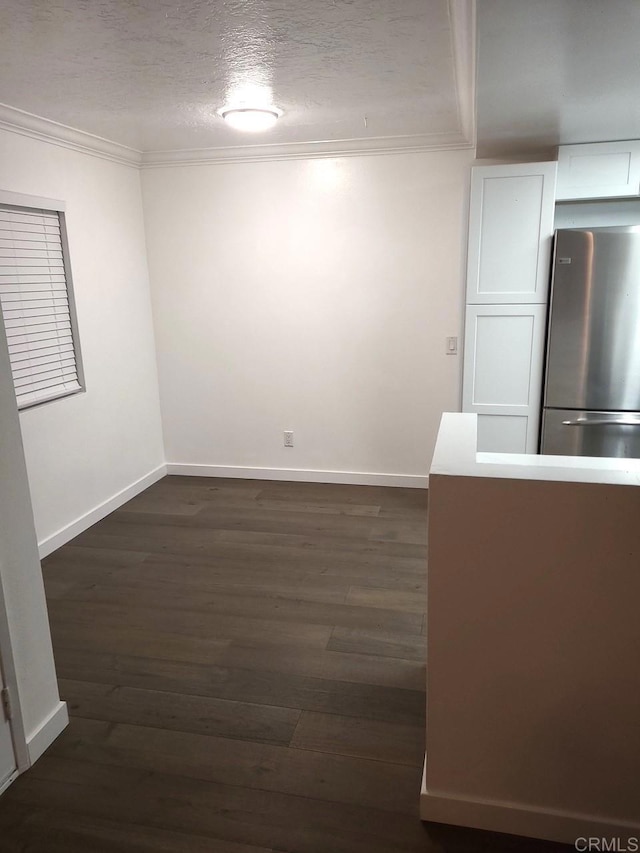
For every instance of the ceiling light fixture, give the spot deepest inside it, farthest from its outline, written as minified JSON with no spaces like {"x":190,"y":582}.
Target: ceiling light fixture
{"x":250,"y":118}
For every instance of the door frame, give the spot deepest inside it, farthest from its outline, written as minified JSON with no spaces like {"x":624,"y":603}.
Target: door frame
{"x":9,"y":677}
{"x":12,"y":556}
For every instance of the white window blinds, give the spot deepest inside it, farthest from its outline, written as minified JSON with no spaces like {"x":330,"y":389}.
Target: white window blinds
{"x":35,"y":303}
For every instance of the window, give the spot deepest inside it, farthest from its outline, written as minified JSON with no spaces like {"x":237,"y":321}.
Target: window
{"x":37,"y":304}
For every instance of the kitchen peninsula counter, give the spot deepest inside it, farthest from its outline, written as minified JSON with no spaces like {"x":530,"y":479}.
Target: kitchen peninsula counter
{"x":533,"y":641}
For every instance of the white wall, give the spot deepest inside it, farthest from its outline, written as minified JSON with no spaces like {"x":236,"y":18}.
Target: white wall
{"x":82,"y":450}
{"x":312,"y":295}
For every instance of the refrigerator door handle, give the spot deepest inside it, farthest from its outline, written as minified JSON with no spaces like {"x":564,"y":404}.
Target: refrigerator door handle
{"x":581,"y":422}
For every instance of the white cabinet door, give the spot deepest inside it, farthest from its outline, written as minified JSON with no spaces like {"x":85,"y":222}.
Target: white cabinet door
{"x":510,"y":233}
{"x":503,"y":354}
{"x":599,"y":170}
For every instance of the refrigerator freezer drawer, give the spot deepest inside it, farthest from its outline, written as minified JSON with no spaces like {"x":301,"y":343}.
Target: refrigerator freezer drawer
{"x":567,"y":432}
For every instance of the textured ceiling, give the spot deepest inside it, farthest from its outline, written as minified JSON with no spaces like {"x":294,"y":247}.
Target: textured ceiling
{"x":150,"y":74}
{"x":556,"y":72}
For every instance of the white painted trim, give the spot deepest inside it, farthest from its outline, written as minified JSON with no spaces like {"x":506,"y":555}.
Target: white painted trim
{"x":53,"y":725}
{"x":352,"y":478}
{"x":74,"y":528}
{"x":8,"y":781}
{"x":36,"y":127}
{"x":462,"y":17}
{"x":44,"y":129}
{"x":306,"y":150}
{"x":518,"y":818}
{"x":9,"y":675}
{"x":38,"y":201}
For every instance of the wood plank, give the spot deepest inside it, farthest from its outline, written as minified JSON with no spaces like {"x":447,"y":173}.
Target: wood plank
{"x":323,"y":508}
{"x":82,"y":632}
{"x":303,"y":692}
{"x":234,"y":580}
{"x":57,"y":587}
{"x":23,"y":828}
{"x":79,"y":663}
{"x":255,"y":517}
{"x":383,"y":496}
{"x":263,"y":766}
{"x":179,"y":712}
{"x":387,"y":742}
{"x":165,"y":597}
{"x":234,"y":813}
{"x":126,"y":625}
{"x":258,"y":553}
{"x":313,"y":542}
{"x":326,"y":583}
{"x":70,"y":555}
{"x":404,"y":646}
{"x":207,"y":487}
{"x":417,"y":512}
{"x":161,"y":505}
{"x":387,"y":599}
{"x":204,"y":541}
{"x":387,"y":529}
{"x":338,"y":666}
{"x":243,"y":563}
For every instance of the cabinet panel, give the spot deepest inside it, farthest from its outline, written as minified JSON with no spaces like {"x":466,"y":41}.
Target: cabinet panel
{"x":503,"y":355}
{"x":502,"y":360}
{"x":510,"y":233}
{"x":502,"y":433}
{"x":599,"y":170}
{"x":509,"y":244}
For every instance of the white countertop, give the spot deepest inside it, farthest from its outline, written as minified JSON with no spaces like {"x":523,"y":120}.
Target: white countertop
{"x":456,"y":454}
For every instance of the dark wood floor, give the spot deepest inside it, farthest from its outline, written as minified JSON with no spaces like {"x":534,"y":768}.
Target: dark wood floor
{"x":244,"y":667}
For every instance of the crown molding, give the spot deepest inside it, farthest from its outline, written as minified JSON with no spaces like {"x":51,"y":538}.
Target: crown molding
{"x":462,"y":17}
{"x":306,"y":150}
{"x":36,"y":127}
{"x":46,"y":130}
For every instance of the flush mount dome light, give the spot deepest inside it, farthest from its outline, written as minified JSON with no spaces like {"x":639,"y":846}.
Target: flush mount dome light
{"x":251,"y":118}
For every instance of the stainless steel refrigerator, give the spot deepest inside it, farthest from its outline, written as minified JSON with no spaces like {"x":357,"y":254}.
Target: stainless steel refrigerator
{"x":592,"y":378}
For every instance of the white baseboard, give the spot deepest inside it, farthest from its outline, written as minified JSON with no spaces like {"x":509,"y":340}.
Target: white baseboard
{"x":74,"y":528}
{"x":352,"y":478}
{"x":520,"y":819}
{"x":47,"y":731}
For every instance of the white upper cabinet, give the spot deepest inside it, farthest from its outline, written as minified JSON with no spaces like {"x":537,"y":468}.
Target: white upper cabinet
{"x":510,"y":233}
{"x":599,"y":170}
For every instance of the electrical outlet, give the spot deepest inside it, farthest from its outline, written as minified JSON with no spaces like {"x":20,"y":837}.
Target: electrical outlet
{"x":288,"y":438}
